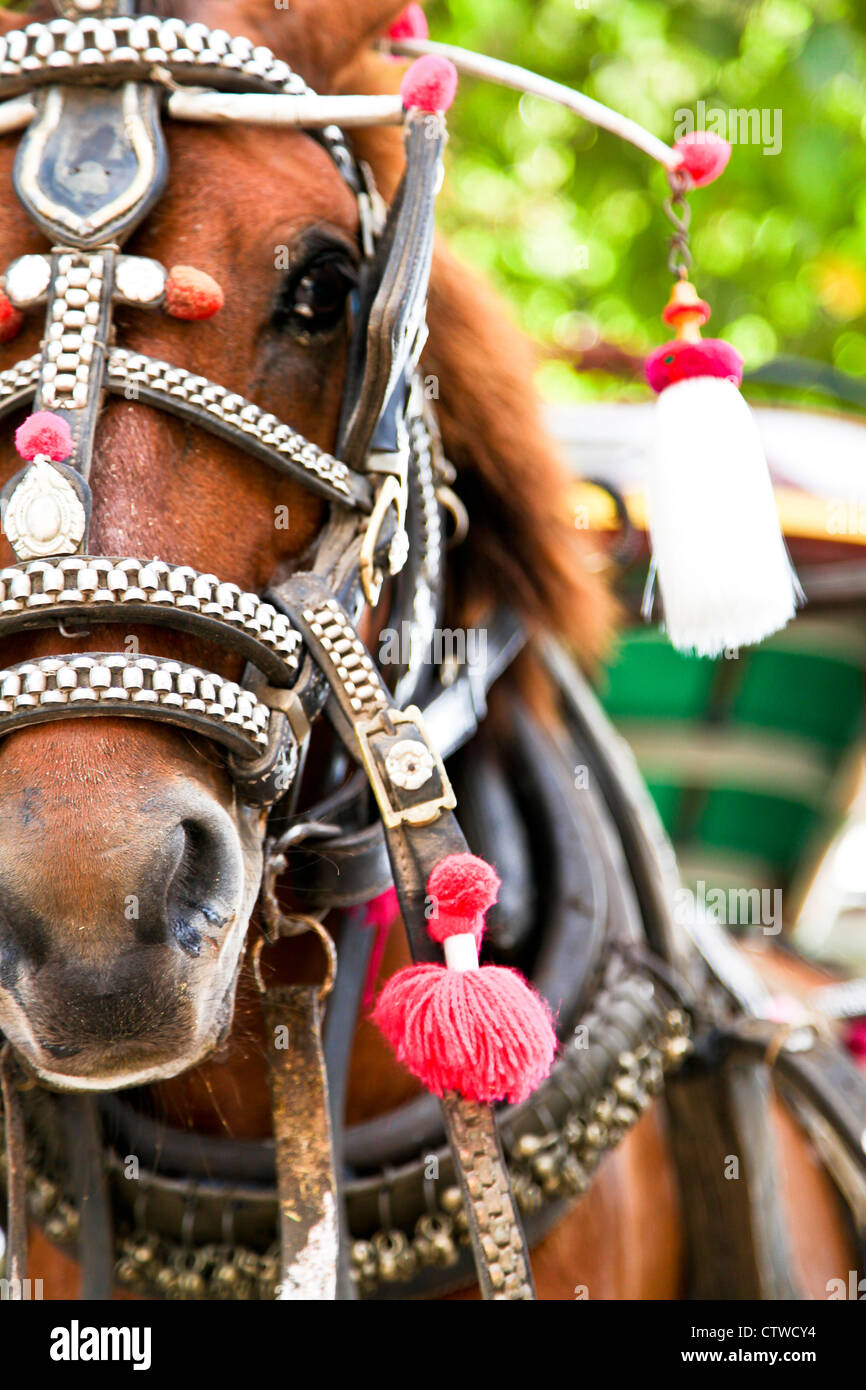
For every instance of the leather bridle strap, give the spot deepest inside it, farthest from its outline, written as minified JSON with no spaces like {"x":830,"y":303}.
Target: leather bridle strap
{"x":307,"y":1185}
{"x":16,"y":1175}
{"x":415,"y":802}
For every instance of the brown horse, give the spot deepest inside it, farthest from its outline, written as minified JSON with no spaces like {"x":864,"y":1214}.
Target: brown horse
{"x":95,"y":812}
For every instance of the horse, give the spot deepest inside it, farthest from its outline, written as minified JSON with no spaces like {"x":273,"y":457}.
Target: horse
{"x":98,"y":815}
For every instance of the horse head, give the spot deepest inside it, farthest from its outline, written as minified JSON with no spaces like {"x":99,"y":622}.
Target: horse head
{"x":129,"y":864}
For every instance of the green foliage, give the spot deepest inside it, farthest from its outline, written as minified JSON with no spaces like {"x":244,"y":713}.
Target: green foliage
{"x":568,"y":220}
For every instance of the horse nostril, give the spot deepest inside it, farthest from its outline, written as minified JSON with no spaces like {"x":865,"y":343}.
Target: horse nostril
{"x":196,"y":893}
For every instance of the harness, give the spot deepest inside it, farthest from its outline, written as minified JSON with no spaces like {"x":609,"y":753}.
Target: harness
{"x":104,"y":67}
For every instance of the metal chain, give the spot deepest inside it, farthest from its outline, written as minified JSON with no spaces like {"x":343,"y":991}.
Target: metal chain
{"x":678,"y":213}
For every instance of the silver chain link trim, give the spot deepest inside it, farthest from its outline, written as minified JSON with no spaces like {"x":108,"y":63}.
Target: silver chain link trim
{"x":132,"y":374}
{"x":111,"y":681}
{"x":125,"y":47}
{"x":78,"y":290}
{"x":94,"y":582}
{"x":18,"y":383}
{"x":349,"y":657}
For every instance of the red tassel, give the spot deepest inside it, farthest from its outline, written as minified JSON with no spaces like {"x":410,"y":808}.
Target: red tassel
{"x":483,"y":1032}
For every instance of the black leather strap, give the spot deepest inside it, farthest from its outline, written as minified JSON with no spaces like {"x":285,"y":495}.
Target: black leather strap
{"x":396,"y":292}
{"x":818,"y":1070}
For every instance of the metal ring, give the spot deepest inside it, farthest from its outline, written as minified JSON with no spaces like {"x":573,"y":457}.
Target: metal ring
{"x":452,"y":504}
{"x":309,"y":924}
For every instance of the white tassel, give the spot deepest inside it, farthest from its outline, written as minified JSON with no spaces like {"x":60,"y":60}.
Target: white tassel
{"x":724,"y":572}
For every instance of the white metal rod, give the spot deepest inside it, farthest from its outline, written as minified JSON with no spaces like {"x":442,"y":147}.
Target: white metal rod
{"x":16,"y":113}
{"x":522,"y":80}
{"x":253,"y":108}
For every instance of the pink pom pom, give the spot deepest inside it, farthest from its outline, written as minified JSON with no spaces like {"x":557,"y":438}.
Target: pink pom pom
{"x":430,"y":84}
{"x":411,"y":24}
{"x":461,"y":887}
{"x":484,"y":1033}
{"x":703,"y":156}
{"x":679,"y":360}
{"x":192,"y":294}
{"x":44,"y":433}
{"x":855,"y":1040}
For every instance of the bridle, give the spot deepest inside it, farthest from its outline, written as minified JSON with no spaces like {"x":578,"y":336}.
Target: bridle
{"x":103,"y":67}
{"x":100,"y":66}
{"x":383,"y":436}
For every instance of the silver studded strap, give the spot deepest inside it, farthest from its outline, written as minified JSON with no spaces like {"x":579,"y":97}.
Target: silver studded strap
{"x":415,"y":801}
{"x":213,"y":408}
{"x":255,"y":724}
{"x":105,"y":683}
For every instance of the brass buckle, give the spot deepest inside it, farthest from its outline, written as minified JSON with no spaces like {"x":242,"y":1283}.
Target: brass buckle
{"x":425,"y":811}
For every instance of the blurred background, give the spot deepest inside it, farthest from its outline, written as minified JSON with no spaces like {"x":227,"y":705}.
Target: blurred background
{"x":755,"y":761}
{"x":567,"y":219}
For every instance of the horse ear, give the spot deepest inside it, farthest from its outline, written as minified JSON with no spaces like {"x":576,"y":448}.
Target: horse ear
{"x":319,"y":37}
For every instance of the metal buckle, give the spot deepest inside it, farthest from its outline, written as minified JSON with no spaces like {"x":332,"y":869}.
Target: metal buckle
{"x":392,"y":493}
{"x":425,"y":811}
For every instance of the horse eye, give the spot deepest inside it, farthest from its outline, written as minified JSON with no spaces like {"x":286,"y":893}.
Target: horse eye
{"x":314,"y":299}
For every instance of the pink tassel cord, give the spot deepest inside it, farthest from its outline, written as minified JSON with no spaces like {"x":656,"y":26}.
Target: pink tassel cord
{"x":380,"y":915}
{"x":481,"y":1031}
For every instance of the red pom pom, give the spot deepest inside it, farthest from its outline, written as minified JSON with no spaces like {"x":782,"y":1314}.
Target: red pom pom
{"x":678,"y":361}
{"x":44,"y":433}
{"x":462,"y":887}
{"x":191,"y":293}
{"x":484,"y":1033}
{"x":10,"y":319}
{"x":411,"y":24}
{"x":430,"y":83}
{"x":703,"y":156}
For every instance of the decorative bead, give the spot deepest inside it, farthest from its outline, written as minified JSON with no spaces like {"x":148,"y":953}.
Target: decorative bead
{"x":27,"y":280}
{"x":411,"y":24}
{"x":430,"y":84}
{"x":703,"y":156}
{"x":139,"y":279}
{"x":192,"y":294}
{"x":10,"y":319}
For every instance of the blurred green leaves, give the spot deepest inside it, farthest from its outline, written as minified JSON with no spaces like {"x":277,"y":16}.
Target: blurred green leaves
{"x":568,"y":220}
